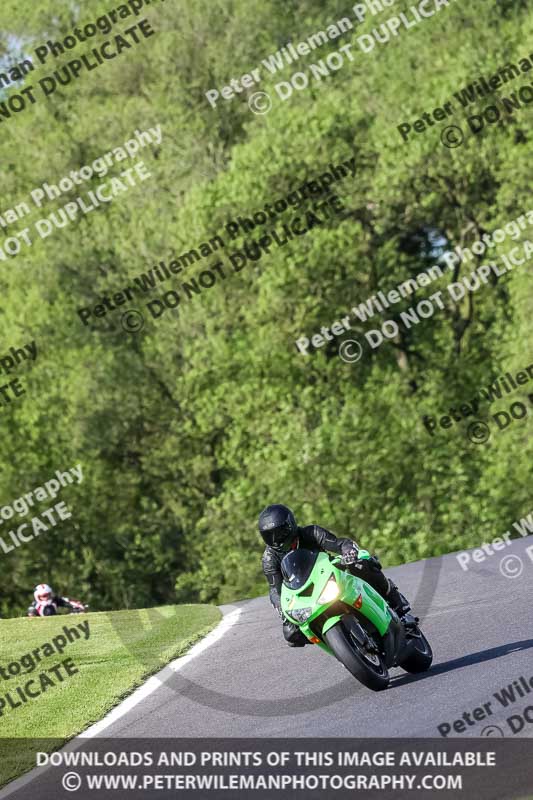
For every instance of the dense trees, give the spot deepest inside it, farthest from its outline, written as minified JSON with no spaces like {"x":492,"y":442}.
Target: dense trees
{"x":188,"y":427}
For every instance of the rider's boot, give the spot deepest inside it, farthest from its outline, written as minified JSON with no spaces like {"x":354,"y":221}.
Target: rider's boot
{"x":293,"y":635}
{"x":397,"y":601}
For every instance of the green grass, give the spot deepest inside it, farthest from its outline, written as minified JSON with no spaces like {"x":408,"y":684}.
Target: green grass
{"x":123,"y":649}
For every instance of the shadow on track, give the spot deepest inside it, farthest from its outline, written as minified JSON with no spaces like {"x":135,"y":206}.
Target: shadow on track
{"x":464,"y":661}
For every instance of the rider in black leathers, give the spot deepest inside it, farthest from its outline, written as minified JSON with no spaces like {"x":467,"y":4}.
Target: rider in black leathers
{"x":278,"y":528}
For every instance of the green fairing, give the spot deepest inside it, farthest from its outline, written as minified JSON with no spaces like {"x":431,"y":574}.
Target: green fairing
{"x":373,"y":606}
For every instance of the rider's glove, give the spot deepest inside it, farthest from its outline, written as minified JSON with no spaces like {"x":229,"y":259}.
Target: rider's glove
{"x":373,"y":562}
{"x":366,"y":561}
{"x":349,"y":551}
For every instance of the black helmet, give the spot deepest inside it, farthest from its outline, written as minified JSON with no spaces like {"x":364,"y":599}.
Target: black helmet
{"x":277,"y":526}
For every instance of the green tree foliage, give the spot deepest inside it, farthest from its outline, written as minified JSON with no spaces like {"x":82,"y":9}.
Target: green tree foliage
{"x":187,"y":429}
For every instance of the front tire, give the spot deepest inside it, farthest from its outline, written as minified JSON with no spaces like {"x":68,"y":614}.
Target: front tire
{"x":421,"y":656}
{"x":368,"y":667}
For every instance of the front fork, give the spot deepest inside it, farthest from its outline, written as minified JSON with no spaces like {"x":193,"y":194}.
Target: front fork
{"x":394,"y":640}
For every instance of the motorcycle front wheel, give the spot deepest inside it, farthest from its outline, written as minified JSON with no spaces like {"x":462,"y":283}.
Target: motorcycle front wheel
{"x":421,"y":655}
{"x":365,"y":663}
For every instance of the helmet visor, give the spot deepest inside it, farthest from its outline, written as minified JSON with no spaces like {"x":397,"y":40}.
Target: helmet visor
{"x":276,"y":537}
{"x":44,"y":596}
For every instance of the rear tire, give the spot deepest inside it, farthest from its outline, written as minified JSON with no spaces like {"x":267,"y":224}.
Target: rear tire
{"x":368,"y":668}
{"x":421,"y":657}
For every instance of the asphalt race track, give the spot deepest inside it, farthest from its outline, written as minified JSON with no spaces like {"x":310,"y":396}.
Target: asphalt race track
{"x":250,"y":683}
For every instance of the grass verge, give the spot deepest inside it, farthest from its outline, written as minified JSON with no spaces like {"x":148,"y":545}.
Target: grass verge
{"x":121,"y":650}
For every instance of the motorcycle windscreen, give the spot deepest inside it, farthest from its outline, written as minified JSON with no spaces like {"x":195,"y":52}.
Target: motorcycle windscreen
{"x":297,"y":566}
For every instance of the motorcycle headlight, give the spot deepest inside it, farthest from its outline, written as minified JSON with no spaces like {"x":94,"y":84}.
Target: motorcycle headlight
{"x":301,"y":614}
{"x":331,"y":591}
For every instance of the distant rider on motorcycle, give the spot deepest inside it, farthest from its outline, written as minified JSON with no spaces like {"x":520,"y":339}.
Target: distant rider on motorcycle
{"x":278,"y":528}
{"x":46,"y":602}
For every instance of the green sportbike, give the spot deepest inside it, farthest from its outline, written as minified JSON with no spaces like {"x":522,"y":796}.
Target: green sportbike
{"x":348,"y":619}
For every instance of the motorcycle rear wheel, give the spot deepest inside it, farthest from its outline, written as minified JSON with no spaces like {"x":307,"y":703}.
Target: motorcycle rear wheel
{"x":368,"y":667}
